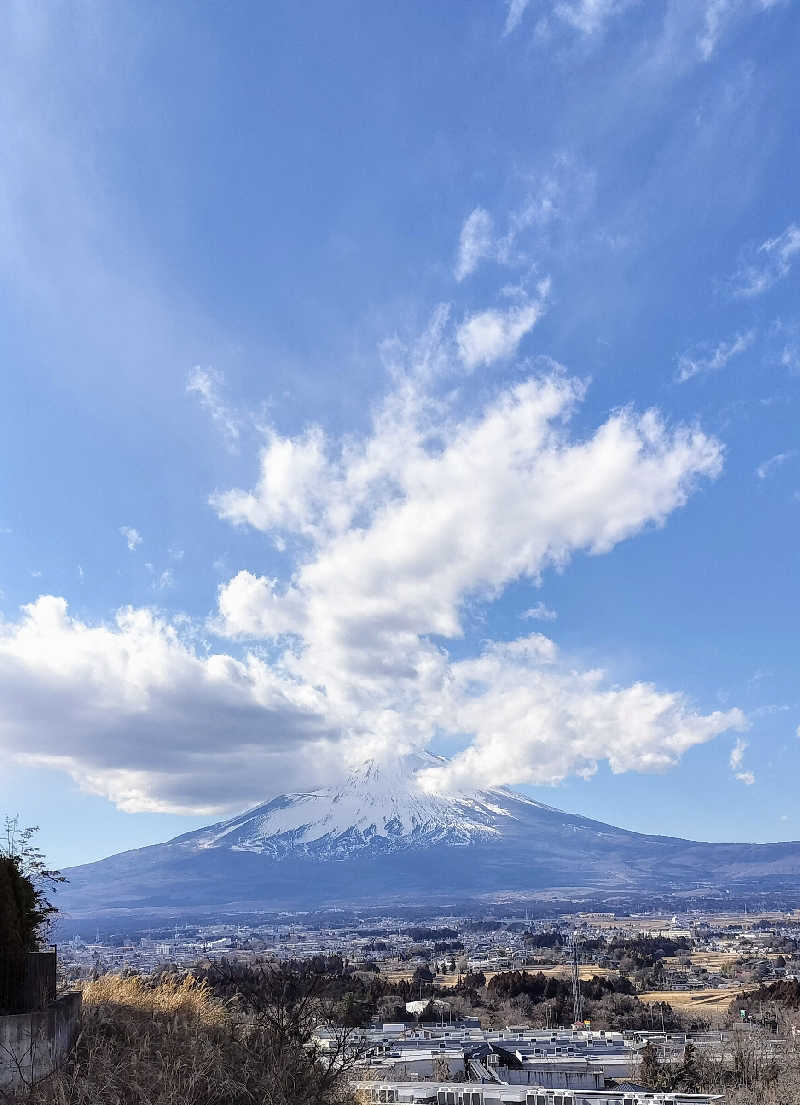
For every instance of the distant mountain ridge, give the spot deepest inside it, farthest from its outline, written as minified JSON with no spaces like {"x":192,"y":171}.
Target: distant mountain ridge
{"x":378,"y":837}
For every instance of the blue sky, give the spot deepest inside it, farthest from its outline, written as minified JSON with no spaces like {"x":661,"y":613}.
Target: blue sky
{"x":393,"y":376}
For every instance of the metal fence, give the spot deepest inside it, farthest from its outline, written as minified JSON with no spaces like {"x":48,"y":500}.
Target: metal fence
{"x":27,"y":981}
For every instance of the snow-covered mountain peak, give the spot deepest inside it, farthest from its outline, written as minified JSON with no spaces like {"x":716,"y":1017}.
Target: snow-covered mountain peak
{"x":379,"y":807}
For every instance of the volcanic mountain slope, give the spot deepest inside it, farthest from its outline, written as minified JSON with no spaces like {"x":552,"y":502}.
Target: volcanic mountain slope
{"x":379,"y":838}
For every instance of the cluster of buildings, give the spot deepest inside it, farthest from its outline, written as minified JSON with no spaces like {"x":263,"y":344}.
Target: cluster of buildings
{"x":393,"y":944}
{"x":468,"y":1065}
{"x":473,"y":1093}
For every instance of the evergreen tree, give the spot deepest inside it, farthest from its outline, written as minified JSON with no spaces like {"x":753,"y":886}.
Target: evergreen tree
{"x":652,"y":1072}
{"x":25,"y":882}
{"x":689,"y":1074}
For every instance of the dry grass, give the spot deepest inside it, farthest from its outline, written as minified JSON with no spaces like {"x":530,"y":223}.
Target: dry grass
{"x":171,"y":1042}
{"x":711,"y":1002}
{"x":172,"y":997}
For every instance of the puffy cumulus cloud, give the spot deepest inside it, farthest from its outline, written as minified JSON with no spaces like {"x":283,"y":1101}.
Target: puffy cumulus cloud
{"x":494,"y":335}
{"x":290,"y":495}
{"x":464,"y":507}
{"x":134,"y":713}
{"x":393,"y":534}
{"x":535,"y":719}
{"x":430,"y":511}
{"x":768,"y":264}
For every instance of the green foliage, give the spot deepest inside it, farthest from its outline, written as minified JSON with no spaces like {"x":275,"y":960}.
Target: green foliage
{"x":25,"y":882}
{"x":785,"y":992}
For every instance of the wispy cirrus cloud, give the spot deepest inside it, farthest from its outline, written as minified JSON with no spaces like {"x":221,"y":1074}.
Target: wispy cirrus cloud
{"x":735,"y":761}
{"x":514,"y":14}
{"x":767,"y":467}
{"x":540,"y":612}
{"x":700,"y":26}
{"x":475,"y":243}
{"x":718,"y":15}
{"x":587,"y":16}
{"x":706,"y":359}
{"x":556,"y":198}
{"x":207,"y":385}
{"x":737,"y":754}
{"x":761,"y":268}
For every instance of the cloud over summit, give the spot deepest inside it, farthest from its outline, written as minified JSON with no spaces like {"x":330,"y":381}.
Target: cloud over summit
{"x":392,"y":535}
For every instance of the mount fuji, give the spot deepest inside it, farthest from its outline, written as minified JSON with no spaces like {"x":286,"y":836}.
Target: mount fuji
{"x":379,"y":838}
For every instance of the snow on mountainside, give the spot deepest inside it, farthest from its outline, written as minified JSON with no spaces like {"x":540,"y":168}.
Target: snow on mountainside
{"x":379,"y":838}
{"x":379,"y":808}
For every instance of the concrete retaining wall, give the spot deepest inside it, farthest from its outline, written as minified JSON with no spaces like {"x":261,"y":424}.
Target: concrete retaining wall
{"x":33,"y":1045}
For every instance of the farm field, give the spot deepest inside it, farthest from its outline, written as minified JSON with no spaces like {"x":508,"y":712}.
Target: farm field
{"x":712,"y":961}
{"x":713,"y":1002}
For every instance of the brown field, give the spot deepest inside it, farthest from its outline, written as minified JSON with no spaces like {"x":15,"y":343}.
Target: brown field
{"x":712,"y":1002}
{"x":712,"y":961}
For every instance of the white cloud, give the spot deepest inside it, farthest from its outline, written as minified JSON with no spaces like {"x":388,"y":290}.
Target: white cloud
{"x":132,"y":537}
{"x":207,"y":384}
{"x":540,"y":612}
{"x":558,"y":197}
{"x":164,"y":581}
{"x":516,"y":10}
{"x":494,"y":335}
{"x":587,"y":16}
{"x":770,"y":262}
{"x":392,"y":534}
{"x":293,"y":487}
{"x":695,"y":363}
{"x":767,"y":467}
{"x":737,"y":754}
{"x":736,"y":759}
{"x":133,"y":713}
{"x":430,"y":510}
{"x":476,"y":242}
{"x":715,"y":15}
{"x":719,"y":14}
{"x":590,"y":16}
{"x":535,"y":719}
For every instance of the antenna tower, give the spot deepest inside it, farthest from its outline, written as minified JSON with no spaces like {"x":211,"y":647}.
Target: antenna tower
{"x":577,"y":1000}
